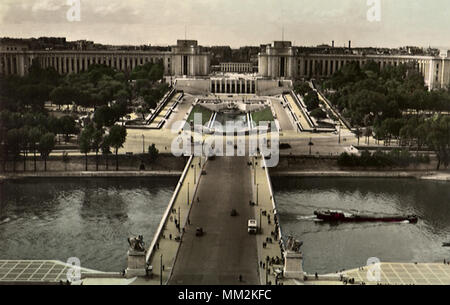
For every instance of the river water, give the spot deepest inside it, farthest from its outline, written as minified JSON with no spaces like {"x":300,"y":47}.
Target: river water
{"x":92,"y":218}
{"x":86,"y":218}
{"x":329,"y":247}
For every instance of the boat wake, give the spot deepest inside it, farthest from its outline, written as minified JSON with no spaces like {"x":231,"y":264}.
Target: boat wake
{"x":311,"y":217}
{"x":5,"y":221}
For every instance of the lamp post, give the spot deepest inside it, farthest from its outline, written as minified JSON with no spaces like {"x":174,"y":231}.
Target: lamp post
{"x":260,"y":221}
{"x":161,"y":271}
{"x":179,"y":219}
{"x":195,"y":173}
{"x":257,"y":194}
{"x":143,"y":144}
{"x":310,"y":144}
{"x":339,"y":137}
{"x":188,"y":194}
{"x":254,"y":169}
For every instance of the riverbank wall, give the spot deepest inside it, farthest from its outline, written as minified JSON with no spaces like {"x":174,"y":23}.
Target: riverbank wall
{"x":55,"y":163}
{"x":171,"y":166}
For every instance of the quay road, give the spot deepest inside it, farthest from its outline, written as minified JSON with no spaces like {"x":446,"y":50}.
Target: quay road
{"x":226,"y":250}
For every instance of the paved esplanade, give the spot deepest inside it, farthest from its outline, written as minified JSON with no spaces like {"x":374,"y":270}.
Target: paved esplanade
{"x":226,"y":250}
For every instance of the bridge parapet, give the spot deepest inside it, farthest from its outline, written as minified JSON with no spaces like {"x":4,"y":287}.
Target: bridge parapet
{"x":270,"y":243}
{"x":164,"y":247}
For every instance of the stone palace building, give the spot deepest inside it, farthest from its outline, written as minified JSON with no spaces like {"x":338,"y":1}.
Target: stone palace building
{"x":279,"y":60}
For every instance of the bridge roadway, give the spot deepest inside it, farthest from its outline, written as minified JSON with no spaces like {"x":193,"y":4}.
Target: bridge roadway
{"x":226,"y":250}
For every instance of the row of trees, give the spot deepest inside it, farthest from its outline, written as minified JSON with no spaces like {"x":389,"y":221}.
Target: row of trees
{"x":29,"y":93}
{"x":393,"y":158}
{"x":94,"y":139}
{"x":393,"y":104}
{"x":366,"y":94}
{"x":96,"y":87}
{"x":311,"y":100}
{"x":27,"y":140}
{"x":32,"y":133}
{"x":25,"y":125}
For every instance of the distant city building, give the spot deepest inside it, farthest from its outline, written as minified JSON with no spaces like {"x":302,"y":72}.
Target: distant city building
{"x":280,"y":60}
{"x":186,"y":58}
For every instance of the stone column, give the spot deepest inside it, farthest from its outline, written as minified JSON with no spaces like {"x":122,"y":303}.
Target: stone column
{"x":76,"y":66}
{"x":11,"y":65}
{"x":71,"y":63}
{"x":313,"y":71}
{"x":63,"y":64}
{"x":1,"y":67}
{"x":86,"y":63}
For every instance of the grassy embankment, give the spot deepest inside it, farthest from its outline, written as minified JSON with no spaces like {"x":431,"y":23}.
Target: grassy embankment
{"x":262,"y":116}
{"x":206,"y":114}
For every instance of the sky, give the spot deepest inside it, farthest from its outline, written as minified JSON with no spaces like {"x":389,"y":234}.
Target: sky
{"x":233,"y":22}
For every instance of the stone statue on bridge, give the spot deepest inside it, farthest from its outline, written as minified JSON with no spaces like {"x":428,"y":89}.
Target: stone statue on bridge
{"x":293,"y":245}
{"x":137,"y":243}
{"x":137,"y":265}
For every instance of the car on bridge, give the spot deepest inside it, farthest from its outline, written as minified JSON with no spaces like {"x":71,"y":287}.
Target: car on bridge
{"x":199,"y":232}
{"x":252,"y":226}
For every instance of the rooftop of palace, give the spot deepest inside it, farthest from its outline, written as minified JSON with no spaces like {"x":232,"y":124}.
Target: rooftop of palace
{"x":234,"y":76}
{"x":61,"y":44}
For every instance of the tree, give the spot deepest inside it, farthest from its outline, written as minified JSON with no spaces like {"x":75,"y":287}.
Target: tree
{"x":117,"y":137}
{"x":358,"y":133}
{"x":122,"y":96}
{"x":46,"y":145}
{"x":156,"y":72}
{"x":153,"y":153}
{"x":439,"y":139}
{"x":63,"y":95}
{"x":302,"y":88}
{"x":13,"y":141}
{"x":151,"y":101}
{"x":68,"y":126}
{"x":104,"y":116}
{"x":35,"y":95}
{"x":34,"y":135}
{"x":312,"y":101}
{"x":119,"y":110}
{"x":142,"y":111}
{"x":86,"y":142}
{"x":24,"y":144}
{"x":319,"y":114}
{"x":106,"y":149}
{"x":368,"y":133}
{"x":96,"y":144}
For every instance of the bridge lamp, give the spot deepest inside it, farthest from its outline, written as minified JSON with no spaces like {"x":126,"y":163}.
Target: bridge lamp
{"x":161,"y":271}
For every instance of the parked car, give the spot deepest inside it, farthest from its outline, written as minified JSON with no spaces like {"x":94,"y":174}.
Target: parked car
{"x":199,"y":232}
